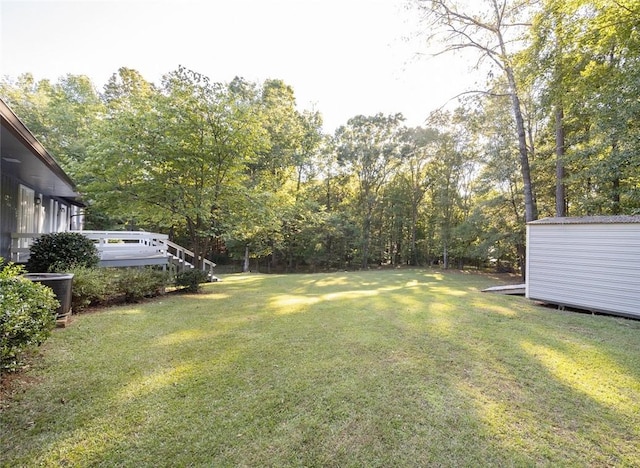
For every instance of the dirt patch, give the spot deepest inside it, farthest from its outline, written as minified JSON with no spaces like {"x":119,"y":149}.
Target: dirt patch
{"x":15,"y":383}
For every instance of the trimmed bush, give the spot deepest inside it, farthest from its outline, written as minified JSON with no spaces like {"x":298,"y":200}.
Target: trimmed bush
{"x":137,"y":283}
{"x":62,"y":251}
{"x":95,"y":286}
{"x":190,"y":280}
{"x":26,"y":316}
{"x":91,"y":286}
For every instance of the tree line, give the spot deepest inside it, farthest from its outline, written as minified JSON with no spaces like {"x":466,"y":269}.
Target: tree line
{"x":236,"y":172}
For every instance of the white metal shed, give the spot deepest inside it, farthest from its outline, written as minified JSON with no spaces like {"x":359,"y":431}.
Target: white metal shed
{"x":590,"y":263}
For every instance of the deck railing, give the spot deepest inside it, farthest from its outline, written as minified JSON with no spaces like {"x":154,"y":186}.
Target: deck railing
{"x":125,"y":248}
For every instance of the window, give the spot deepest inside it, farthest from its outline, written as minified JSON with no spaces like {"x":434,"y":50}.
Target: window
{"x":26,"y":210}
{"x":26,"y":217}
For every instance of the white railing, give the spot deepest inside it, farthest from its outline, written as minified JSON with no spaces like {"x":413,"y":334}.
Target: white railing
{"x":125,"y":248}
{"x":187,"y":259}
{"x":20,"y":244}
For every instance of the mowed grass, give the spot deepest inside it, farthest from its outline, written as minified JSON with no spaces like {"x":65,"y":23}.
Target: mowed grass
{"x":382,"y":368}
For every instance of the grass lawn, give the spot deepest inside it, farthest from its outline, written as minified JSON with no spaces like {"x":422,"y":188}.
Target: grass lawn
{"x":381,"y":368}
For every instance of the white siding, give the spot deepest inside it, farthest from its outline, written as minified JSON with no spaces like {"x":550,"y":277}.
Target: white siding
{"x":589,"y":266}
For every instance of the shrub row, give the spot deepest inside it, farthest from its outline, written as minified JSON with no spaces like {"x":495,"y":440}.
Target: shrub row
{"x":74,"y":253}
{"x":93,"y":286}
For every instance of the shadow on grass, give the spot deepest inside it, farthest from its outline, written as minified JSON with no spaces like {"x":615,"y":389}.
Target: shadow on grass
{"x":407,"y":368}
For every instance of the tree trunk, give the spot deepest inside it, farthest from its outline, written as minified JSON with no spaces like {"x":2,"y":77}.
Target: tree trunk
{"x":299,"y":182}
{"x":245,"y":263}
{"x":530,"y":209}
{"x":522,"y":260}
{"x":413,"y":257}
{"x":328,"y":203}
{"x":560,"y":151}
{"x":615,"y":199}
{"x":273,"y":263}
{"x":445,"y":257}
{"x":366,"y":237}
{"x":615,"y":183}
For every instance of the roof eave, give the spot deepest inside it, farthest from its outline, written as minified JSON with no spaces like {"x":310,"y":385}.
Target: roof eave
{"x":19,"y":129}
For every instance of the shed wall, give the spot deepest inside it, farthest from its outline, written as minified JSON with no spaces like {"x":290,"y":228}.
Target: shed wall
{"x":590,"y":266}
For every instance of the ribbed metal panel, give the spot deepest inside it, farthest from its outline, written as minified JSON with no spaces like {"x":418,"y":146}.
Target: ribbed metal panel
{"x":585,"y":265}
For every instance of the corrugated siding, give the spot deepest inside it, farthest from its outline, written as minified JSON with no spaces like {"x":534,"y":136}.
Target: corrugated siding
{"x":590,"y":266}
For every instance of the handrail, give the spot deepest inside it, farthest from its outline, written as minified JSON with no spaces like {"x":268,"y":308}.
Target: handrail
{"x":106,"y":236}
{"x":120,"y":234}
{"x":182,"y":252}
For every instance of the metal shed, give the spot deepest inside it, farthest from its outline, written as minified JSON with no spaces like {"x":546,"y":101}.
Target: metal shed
{"x":591,"y":263}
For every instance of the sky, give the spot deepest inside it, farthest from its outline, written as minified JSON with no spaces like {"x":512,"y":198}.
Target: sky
{"x":342,"y":57}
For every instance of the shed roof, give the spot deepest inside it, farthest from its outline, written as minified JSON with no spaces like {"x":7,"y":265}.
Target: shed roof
{"x":621,"y":219}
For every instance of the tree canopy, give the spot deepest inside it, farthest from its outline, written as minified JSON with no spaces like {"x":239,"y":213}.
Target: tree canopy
{"x":237,"y":171}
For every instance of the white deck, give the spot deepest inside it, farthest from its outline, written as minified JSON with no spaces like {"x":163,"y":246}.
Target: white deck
{"x":125,"y":249}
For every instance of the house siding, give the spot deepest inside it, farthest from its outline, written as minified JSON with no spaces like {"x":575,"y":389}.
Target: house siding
{"x":33,"y":187}
{"x":8,"y":214}
{"x":593,"y":266}
{"x":50,"y":218}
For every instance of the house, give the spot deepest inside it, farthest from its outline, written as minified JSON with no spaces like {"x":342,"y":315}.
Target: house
{"x":37,"y":196}
{"x":590,"y":263}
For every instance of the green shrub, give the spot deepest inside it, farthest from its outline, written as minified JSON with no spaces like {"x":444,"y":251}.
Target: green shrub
{"x":94,"y":286}
{"x":190,"y":280}
{"x":10,"y":270}
{"x":26,"y":316}
{"x":91,"y":286}
{"x":61,"y":251}
{"x":137,"y":283}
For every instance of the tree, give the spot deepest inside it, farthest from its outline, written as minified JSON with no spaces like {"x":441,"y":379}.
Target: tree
{"x":498,"y":190}
{"x":333,"y":190}
{"x":452,"y":160}
{"x":61,"y":115}
{"x":584,"y":55}
{"x":552,"y":60}
{"x":283,"y":125}
{"x":488,"y":27}
{"x":310,"y":144}
{"x":174,"y":156}
{"x":369,"y":146}
{"x":609,"y":88}
{"x":417,"y":153}
{"x":250,"y":224}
